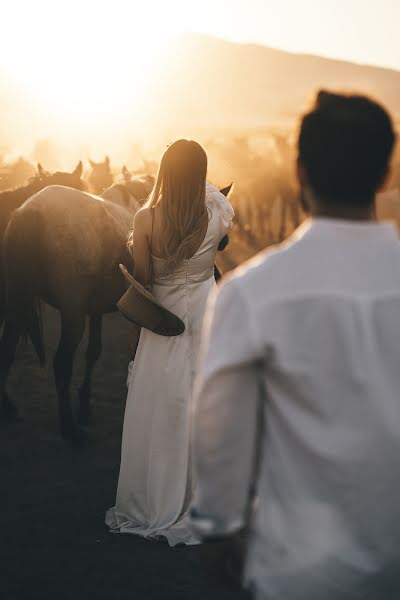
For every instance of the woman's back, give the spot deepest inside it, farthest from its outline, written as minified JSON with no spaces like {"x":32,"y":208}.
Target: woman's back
{"x":199,"y":266}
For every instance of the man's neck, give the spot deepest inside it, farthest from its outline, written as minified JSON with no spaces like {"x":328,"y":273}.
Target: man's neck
{"x":347,"y":213}
{"x":344,"y":215}
{"x":318,"y":207}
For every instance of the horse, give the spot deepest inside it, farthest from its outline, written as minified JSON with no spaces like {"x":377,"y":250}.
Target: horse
{"x":120,"y":194}
{"x":14,"y":198}
{"x":139,"y":185}
{"x":64,"y":247}
{"x":100,"y":177}
{"x":132,"y":191}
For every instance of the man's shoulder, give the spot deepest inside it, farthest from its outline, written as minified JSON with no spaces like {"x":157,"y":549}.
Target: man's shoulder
{"x":260,"y":266}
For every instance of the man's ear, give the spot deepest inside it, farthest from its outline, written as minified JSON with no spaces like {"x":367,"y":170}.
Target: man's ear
{"x":302,"y":181}
{"x":300,"y":173}
{"x":386,"y":180}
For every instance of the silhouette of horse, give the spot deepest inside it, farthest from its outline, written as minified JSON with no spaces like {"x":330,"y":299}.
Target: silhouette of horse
{"x":100,"y":177}
{"x":63,"y":246}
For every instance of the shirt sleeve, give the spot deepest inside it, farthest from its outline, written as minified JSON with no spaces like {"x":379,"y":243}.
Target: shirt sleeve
{"x":226,"y":409}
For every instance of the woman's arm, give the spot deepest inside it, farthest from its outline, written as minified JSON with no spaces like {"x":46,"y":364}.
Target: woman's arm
{"x":141,"y":246}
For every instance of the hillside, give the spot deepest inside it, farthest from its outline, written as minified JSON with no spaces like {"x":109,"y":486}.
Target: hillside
{"x":212,"y":82}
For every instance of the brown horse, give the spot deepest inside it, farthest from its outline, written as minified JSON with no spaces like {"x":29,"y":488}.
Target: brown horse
{"x":12,"y":199}
{"x":119,"y":193}
{"x":63,"y":246}
{"x":132,"y":191}
{"x":100,"y":177}
{"x":139,"y":185}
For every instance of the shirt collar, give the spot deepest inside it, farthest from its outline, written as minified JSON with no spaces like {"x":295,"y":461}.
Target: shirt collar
{"x":341,"y":229}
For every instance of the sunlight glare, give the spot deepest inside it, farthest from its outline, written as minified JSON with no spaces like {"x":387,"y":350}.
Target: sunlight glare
{"x":94,"y":65}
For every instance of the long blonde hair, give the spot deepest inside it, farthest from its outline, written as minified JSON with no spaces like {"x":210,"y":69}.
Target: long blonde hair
{"x":179,"y":192}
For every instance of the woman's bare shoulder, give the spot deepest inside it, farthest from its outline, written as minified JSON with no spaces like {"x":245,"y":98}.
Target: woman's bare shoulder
{"x":143,"y":218}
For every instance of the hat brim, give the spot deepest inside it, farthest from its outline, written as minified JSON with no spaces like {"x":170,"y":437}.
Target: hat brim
{"x":139,"y":306}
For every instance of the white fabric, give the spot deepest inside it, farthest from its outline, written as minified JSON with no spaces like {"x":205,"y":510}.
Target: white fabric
{"x":309,"y":335}
{"x":155,"y":484}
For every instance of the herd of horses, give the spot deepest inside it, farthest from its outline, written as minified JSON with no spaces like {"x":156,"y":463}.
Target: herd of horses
{"x":62,"y":245}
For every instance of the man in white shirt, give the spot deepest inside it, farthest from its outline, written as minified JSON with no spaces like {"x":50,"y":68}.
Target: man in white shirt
{"x":299,"y":388}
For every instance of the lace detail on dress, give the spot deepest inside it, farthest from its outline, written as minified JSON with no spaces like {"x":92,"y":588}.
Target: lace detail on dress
{"x":216,"y":200}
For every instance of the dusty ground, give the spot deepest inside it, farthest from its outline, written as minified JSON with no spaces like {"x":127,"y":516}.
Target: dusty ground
{"x":53,"y":544}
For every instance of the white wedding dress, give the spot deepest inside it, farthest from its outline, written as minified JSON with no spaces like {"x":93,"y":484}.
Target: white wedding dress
{"x":155,"y":484}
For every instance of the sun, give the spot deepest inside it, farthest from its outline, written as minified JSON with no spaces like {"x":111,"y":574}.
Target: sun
{"x":85,"y":65}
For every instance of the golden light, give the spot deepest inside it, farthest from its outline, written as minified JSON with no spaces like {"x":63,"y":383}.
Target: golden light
{"x":84,"y":65}
{"x":102,"y":74}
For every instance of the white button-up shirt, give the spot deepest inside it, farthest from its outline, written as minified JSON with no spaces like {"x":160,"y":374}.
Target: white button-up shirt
{"x":300,"y":376}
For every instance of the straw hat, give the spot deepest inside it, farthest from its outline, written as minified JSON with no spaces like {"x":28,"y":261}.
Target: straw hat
{"x":141,"y":307}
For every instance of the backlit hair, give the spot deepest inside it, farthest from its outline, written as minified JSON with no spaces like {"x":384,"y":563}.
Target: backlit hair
{"x":179,"y":193}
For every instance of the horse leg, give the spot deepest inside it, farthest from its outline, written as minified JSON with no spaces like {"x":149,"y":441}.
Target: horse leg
{"x":72,"y":327}
{"x":8,"y":344}
{"x":92,"y":354}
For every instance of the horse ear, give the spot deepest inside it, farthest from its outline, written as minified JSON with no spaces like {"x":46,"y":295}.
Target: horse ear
{"x":78,"y":170}
{"x":107,"y":161}
{"x":40,"y":169}
{"x":225,"y":191}
{"x":92,"y":163}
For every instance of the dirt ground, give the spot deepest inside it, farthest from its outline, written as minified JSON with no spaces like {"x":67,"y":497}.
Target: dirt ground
{"x":53,"y":543}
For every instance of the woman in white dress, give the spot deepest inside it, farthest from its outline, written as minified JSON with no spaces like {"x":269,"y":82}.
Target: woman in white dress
{"x":175,"y":242}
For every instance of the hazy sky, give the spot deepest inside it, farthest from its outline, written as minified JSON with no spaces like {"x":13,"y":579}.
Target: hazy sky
{"x":84,"y":67}
{"x":366,"y":31}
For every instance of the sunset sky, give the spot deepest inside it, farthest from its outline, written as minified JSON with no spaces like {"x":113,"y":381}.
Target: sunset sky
{"x":79,"y":62}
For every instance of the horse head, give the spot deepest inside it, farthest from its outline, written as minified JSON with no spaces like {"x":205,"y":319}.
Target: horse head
{"x":100,"y":177}
{"x":72,"y":180}
{"x":140,"y":186}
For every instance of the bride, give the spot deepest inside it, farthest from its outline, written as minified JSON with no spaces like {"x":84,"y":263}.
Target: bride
{"x":174,"y":246}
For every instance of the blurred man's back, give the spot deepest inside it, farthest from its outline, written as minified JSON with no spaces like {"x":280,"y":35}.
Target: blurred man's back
{"x":325,"y":316}
{"x":311,"y":333}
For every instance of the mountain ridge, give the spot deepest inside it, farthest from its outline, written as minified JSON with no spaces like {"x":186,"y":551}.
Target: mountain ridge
{"x":216,"y":81}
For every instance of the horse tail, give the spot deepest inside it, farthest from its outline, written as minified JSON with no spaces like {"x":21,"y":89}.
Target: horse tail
{"x":22,"y":271}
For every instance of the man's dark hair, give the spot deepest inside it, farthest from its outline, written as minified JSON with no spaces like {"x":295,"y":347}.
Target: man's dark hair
{"x":345,"y":145}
